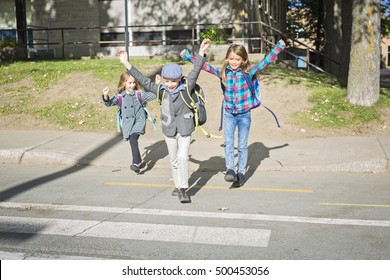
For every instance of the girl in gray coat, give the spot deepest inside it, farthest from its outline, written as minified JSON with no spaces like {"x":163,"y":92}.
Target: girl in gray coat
{"x":133,"y":113}
{"x":176,"y":118}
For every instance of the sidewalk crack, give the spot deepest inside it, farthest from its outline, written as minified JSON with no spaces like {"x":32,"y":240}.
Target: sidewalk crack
{"x":39,"y":145}
{"x":387,"y":157}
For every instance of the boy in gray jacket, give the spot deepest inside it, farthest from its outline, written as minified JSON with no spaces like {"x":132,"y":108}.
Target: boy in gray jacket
{"x":176,"y":118}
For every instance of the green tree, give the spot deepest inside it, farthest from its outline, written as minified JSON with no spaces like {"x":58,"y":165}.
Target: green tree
{"x":385,"y":18}
{"x":306,"y":17}
{"x":217,"y":35}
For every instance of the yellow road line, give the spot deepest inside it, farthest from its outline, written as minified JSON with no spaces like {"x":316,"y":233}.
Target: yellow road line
{"x":208,"y":187}
{"x":355,"y":204}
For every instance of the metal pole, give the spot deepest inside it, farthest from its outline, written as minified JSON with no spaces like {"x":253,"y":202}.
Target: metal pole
{"x":243,"y":19}
{"x":126,"y":30}
{"x":164,"y":22}
{"x":197,"y":11}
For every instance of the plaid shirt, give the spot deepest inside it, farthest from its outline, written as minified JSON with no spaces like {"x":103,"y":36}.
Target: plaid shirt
{"x":237,"y":96}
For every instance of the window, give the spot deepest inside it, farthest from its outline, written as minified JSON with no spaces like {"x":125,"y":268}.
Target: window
{"x":113,"y":39}
{"x":147,"y":38}
{"x":388,"y":56}
{"x":179,"y":36}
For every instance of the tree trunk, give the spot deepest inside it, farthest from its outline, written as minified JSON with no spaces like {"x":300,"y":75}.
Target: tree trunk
{"x":364,"y":68}
{"x":333,"y":35}
{"x":21,"y":25}
{"x":346,"y":15}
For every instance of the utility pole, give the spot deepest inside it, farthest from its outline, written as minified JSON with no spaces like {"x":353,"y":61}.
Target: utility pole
{"x":126,"y":29}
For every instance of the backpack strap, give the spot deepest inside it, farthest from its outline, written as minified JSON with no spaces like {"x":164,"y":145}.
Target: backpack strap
{"x":120,"y":100}
{"x":249,"y":82}
{"x":221,"y":117}
{"x":252,"y":86}
{"x":160,"y":94}
{"x":139,"y":98}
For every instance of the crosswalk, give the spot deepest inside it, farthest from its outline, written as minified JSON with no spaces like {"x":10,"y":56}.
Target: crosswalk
{"x":253,"y":237}
{"x":106,"y":227}
{"x":137,"y":231}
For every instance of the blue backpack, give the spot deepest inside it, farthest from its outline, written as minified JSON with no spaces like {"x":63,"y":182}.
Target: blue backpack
{"x":119,"y":120}
{"x":255,"y":90}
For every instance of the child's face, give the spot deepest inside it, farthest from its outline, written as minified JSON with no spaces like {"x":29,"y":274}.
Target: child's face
{"x":171,"y":84}
{"x":130,"y":84}
{"x":235,"y":61}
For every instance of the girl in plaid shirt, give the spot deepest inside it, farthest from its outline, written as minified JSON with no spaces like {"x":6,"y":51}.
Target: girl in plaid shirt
{"x":238,"y":102}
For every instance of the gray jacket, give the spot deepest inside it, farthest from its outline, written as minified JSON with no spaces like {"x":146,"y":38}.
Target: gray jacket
{"x":133,"y":115}
{"x":176,"y":117}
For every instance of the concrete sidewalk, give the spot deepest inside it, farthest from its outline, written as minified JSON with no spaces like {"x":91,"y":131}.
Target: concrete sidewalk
{"x":333,"y":154}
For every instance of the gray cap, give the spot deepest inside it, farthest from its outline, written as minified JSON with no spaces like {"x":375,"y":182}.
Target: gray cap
{"x":171,"y":71}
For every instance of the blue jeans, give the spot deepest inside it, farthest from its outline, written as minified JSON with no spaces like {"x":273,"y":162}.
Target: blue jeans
{"x":243,"y":123}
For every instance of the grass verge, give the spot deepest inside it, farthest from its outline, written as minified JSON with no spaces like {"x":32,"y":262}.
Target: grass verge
{"x":330,"y":107}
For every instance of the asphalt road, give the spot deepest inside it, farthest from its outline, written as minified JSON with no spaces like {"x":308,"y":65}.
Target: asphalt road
{"x":57,"y":212}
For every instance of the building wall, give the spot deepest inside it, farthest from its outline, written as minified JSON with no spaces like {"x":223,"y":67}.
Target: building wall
{"x":81,"y":24}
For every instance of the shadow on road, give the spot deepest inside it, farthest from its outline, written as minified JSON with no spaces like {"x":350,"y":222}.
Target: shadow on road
{"x":82,"y":163}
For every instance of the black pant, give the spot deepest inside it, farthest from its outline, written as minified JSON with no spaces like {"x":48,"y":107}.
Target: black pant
{"x":134,"y":148}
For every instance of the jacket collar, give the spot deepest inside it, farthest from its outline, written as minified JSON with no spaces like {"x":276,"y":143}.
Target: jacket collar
{"x":180,"y":87}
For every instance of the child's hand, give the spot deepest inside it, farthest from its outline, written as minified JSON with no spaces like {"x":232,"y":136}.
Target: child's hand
{"x":105,"y":91}
{"x":182,"y":53}
{"x":204,"y":45}
{"x":158,"y":79}
{"x":282,"y":42}
{"x":123,"y":58}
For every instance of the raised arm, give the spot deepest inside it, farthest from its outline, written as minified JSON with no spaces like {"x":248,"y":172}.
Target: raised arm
{"x":147,"y":83}
{"x":269,"y":58}
{"x":199,"y":61}
{"x":107,"y":100}
{"x":185,"y":54}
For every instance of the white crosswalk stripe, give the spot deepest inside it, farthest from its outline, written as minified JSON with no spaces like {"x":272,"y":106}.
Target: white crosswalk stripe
{"x":137,"y":231}
{"x":218,"y":215}
{"x":252,"y":237}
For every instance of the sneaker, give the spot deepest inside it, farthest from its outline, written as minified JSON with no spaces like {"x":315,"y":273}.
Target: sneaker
{"x":230,"y":176}
{"x":135,"y":168}
{"x":183,"y":197}
{"x":241,"y":179}
{"x":175,"y":192}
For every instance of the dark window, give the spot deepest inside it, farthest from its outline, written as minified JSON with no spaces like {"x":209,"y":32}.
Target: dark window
{"x":147,"y":38}
{"x":179,"y":36}
{"x":113,"y":39}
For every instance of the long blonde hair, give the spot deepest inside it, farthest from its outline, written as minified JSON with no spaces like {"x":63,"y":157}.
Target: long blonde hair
{"x":122,"y":82}
{"x":240,"y":51}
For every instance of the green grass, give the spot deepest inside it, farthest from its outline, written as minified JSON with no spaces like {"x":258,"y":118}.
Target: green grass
{"x":330,"y":108}
{"x":45,"y":73}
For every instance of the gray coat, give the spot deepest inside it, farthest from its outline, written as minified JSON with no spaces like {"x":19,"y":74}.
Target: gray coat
{"x":133,"y":115}
{"x":176,"y":117}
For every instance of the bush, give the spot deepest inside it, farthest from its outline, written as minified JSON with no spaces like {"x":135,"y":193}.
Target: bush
{"x":217,"y":35}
